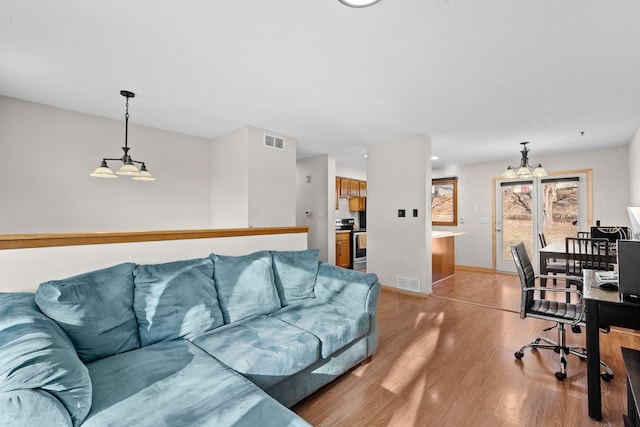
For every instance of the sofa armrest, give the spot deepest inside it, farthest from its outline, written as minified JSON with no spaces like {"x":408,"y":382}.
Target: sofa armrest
{"x":38,"y":361}
{"x":347,"y":288}
{"x":353,"y":290}
{"x":32,"y":407}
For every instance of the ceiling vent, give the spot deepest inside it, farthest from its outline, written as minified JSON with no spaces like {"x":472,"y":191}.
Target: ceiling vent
{"x":273,"y":142}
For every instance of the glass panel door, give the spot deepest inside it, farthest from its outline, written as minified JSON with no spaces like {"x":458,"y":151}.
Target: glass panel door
{"x":515,"y":208}
{"x":560,"y":208}
{"x":556,"y":205}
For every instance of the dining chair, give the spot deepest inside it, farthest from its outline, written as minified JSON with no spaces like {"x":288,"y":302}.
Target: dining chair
{"x":553,"y":266}
{"x":592,"y":254}
{"x":562,"y":314}
{"x":583,"y":235}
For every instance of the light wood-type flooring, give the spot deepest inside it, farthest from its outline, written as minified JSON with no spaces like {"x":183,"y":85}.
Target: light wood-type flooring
{"x":447,"y":360}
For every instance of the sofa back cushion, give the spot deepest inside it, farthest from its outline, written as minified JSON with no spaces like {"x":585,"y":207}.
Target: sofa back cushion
{"x":295,"y":274}
{"x":95,"y":309}
{"x":36,"y":354}
{"x":245,"y":285}
{"x":175,"y":300}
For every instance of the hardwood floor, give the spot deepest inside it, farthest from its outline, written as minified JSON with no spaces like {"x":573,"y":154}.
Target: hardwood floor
{"x":447,"y":360}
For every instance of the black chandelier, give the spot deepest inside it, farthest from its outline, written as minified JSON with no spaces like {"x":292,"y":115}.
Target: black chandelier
{"x":525,"y":170}
{"x":128,"y":164}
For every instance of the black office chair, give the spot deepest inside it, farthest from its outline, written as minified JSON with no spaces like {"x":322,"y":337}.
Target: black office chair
{"x":555,"y":311}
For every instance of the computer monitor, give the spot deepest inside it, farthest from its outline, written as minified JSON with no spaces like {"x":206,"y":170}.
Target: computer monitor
{"x":628,"y":271}
{"x":612,"y":233}
{"x":634,"y":217}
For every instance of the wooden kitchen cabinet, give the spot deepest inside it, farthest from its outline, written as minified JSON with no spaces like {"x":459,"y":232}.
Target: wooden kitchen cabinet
{"x":345,"y":187}
{"x":343,"y":253}
{"x":354,"y":188}
{"x":362,"y":189}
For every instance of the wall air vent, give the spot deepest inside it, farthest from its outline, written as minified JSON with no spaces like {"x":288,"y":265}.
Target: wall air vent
{"x":273,"y":142}
{"x":408,"y":284}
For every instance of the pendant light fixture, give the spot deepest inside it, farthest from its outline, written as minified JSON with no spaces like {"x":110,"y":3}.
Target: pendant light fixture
{"x":525,"y":170}
{"x":129,"y":167}
{"x":358,"y":3}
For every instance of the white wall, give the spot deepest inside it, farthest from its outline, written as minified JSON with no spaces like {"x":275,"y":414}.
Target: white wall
{"x":350,"y":172}
{"x":47,"y":154}
{"x":318,"y":198}
{"x":610,"y":196}
{"x":252,"y":185}
{"x":272,"y":181}
{"x":18,"y":275}
{"x":397,"y":177}
{"x":230,"y":180}
{"x":634,"y":170}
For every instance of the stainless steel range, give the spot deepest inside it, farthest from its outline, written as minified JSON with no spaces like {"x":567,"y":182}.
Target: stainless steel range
{"x":359,"y":249}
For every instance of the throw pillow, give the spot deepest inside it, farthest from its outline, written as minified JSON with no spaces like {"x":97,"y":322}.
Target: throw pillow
{"x":295,"y":274}
{"x":175,"y":300}
{"x":95,"y":309}
{"x":245,"y":285}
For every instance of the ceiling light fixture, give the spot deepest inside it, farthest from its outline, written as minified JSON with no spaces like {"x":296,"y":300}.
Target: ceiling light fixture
{"x":128,"y":164}
{"x":358,"y":3}
{"x":525,"y":170}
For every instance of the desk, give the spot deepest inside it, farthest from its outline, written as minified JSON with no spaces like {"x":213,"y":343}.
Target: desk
{"x":602,"y":308}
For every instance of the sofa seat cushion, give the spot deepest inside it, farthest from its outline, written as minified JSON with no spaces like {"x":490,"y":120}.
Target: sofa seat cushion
{"x":36,"y":354}
{"x":245,"y":285}
{"x":334,"y":325}
{"x":295,"y":274}
{"x":95,"y":309}
{"x":263,"y":349}
{"x":175,"y":300}
{"x":174,"y":383}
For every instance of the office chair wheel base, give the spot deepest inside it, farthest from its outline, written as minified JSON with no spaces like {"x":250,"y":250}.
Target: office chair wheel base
{"x":561,"y":376}
{"x":606,"y":376}
{"x":518,"y":355}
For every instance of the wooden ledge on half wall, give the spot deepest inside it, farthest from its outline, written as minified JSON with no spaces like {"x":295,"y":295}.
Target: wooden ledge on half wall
{"x":23,"y":241}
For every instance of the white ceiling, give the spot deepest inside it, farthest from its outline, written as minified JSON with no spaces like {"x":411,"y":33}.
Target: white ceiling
{"x":479,"y":76}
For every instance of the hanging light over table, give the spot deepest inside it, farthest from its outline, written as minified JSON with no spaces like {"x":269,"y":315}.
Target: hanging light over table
{"x":358,"y":3}
{"x":525,"y":170}
{"x":129,"y":167}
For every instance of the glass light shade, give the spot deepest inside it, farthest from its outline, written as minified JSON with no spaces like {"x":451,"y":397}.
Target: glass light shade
{"x":103,"y":172}
{"x":358,"y":3}
{"x":144,"y":176}
{"x":524,"y":172}
{"x":509,"y":173}
{"x":539,"y":171}
{"x":128,"y":169}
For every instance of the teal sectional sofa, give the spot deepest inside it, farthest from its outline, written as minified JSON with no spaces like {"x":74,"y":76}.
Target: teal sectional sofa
{"x":216,"y":341}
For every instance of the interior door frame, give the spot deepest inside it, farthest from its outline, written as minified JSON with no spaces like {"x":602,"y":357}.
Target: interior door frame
{"x":589,"y":176}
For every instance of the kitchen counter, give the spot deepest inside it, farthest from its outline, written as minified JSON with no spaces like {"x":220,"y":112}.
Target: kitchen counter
{"x":443,"y":254}
{"x":436,"y":234}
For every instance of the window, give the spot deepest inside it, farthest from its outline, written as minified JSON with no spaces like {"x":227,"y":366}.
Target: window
{"x":444,"y":201}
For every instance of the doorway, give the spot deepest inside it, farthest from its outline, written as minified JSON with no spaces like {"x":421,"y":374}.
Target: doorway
{"x":557,"y":205}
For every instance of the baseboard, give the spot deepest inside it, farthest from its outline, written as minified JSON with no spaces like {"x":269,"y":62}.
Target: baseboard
{"x":473,"y":268}
{"x":403,"y":292}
